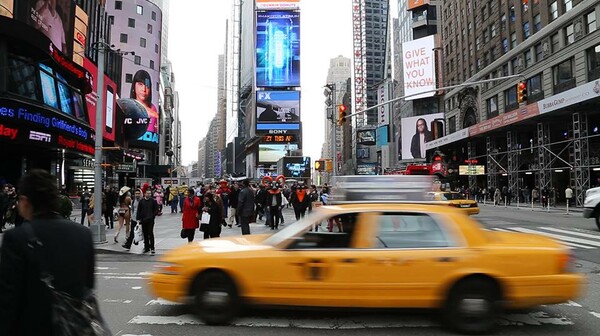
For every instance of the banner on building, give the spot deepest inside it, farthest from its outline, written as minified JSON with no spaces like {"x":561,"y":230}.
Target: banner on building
{"x":80,"y":35}
{"x":418,"y":60}
{"x":416,"y":132}
{"x":383,"y":112}
{"x":278,"y":49}
{"x":277,"y":4}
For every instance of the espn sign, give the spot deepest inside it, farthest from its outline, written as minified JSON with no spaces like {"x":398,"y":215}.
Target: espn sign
{"x":39,"y":136}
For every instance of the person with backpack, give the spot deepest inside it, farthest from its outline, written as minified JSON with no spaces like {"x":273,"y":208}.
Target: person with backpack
{"x":51,"y":248}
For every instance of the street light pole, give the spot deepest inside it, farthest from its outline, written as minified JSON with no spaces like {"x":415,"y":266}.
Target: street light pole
{"x":333,"y":130}
{"x":97,"y":228}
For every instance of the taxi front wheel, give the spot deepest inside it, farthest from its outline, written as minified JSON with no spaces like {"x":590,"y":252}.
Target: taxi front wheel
{"x":472,"y":306}
{"x":216,"y":299}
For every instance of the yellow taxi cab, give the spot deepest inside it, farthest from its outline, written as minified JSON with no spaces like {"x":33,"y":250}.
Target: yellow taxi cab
{"x":390,"y":253}
{"x":457,"y":200}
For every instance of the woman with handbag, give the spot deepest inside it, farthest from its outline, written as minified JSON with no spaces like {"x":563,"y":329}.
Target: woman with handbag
{"x":212,"y":229}
{"x":190,"y":218}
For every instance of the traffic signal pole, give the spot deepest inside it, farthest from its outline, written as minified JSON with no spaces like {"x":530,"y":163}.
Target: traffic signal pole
{"x":466,"y":84}
{"x":333,"y":131}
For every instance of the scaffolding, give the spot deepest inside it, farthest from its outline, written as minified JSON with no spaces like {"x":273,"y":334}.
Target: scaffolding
{"x":543,"y":176}
{"x":513,"y":162}
{"x":492,"y":169}
{"x":579,"y":156}
{"x":472,"y":177}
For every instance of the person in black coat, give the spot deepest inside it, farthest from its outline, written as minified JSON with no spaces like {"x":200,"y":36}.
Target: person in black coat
{"x":422,"y":135}
{"x":67,"y":250}
{"x":274,"y":202}
{"x":246,"y":207}
{"x":146,"y":213}
{"x":216,"y":216}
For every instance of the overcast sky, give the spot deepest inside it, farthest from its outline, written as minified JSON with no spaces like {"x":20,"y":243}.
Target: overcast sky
{"x":197,"y":37}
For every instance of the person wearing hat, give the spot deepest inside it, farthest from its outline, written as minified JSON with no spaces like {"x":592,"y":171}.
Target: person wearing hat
{"x":124,"y":212}
{"x":274,"y":204}
{"x":300,"y":201}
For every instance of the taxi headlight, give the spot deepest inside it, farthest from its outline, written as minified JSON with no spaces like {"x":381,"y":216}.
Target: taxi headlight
{"x":168,"y":268}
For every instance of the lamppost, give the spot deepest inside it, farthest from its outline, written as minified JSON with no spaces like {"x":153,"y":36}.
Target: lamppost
{"x":330,"y":93}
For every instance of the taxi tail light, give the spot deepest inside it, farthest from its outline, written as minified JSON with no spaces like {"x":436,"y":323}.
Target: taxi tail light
{"x":565,"y":263}
{"x":168,"y":268}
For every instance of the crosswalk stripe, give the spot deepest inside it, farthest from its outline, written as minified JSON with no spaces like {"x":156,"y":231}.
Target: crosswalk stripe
{"x":587,"y":235}
{"x":569,"y":245}
{"x":559,"y":237}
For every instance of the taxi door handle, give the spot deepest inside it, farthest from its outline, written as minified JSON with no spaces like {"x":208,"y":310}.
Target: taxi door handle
{"x":382,"y":260}
{"x":446,"y":259}
{"x":349,"y":260}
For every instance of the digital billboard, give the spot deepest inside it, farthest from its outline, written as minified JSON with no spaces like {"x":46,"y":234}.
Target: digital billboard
{"x":296,"y":167}
{"x":277,"y":49}
{"x":416,"y":131}
{"x":366,"y":137}
{"x":277,"y":107}
{"x":366,"y":151}
{"x":109,"y":103}
{"x":54,"y":18}
{"x":418,"y":60}
{"x":268,"y":153}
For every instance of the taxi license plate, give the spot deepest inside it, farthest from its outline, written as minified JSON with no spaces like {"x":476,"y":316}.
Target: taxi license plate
{"x":465,"y":205}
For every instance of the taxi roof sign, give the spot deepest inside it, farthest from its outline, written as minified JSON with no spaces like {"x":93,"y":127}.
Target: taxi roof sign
{"x":381,"y":189}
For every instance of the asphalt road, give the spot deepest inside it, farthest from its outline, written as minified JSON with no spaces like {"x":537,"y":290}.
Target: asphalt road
{"x":131,"y":310}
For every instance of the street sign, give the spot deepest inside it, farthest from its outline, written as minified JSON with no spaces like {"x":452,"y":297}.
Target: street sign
{"x":125,"y":168}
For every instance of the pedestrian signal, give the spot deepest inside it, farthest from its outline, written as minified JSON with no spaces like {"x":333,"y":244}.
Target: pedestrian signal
{"x":319,"y":165}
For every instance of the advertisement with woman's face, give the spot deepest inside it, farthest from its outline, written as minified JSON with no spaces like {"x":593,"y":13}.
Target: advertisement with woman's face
{"x":141,"y":114}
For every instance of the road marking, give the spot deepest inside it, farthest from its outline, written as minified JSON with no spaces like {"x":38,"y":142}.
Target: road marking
{"x":161,"y":302}
{"x":111,"y":277}
{"x":356,"y":322}
{"x":571,"y":232}
{"x":559,"y":237}
{"x":571,"y":304}
{"x":136,"y":287}
{"x":595,"y":314}
{"x":116,"y":301}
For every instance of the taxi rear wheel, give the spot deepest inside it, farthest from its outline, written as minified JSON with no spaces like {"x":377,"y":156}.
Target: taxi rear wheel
{"x":472,"y":306}
{"x":216,"y":299}
{"x":598,"y":219}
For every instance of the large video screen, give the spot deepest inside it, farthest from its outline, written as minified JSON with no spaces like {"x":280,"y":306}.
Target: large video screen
{"x":54,"y":18}
{"x":277,"y":107}
{"x":296,"y":166}
{"x":272,"y":153}
{"x":277,"y":49}
{"x":416,"y":131}
{"x":110,"y":89}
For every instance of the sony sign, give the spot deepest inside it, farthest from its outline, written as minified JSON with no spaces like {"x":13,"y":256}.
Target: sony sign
{"x":272,"y":131}
{"x":39,"y":136}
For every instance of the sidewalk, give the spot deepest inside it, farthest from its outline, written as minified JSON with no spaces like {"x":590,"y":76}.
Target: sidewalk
{"x":537,"y":207}
{"x":167,"y":230}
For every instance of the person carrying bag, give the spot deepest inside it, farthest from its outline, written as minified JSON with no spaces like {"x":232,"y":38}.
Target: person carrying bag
{"x":189,"y":221}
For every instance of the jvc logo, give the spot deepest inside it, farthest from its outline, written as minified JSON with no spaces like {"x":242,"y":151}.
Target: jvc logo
{"x":264,"y":96}
{"x":39,"y":136}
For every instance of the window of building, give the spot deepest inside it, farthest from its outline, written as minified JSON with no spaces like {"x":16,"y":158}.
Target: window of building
{"x":492,"y":107}
{"x":156,"y":48}
{"x":505,"y":45}
{"x":128,"y":78}
{"x":554,"y":10}
{"x":513,"y":40}
{"x":568,"y":5}
{"x":526,"y":32}
{"x":503,"y":22}
{"x":512,"y":14}
{"x":131,"y":23}
{"x":505,"y":70}
{"x":510,"y":96}
{"x":539,"y":52}
{"x":590,"y":20}
{"x":151,"y":64}
{"x":534,"y":86}
{"x":142,"y":42}
{"x":593,"y":61}
{"x":118,"y":5}
{"x":123,"y":38}
{"x":493,"y":30}
{"x":514,"y":65}
{"x":555,"y":43}
{"x":140,"y":10}
{"x":137,"y":60}
{"x":528,"y":58}
{"x":563,"y":72}
{"x":154,"y":16}
{"x":111,"y":20}
{"x":524,"y":6}
{"x":478,"y":43}
{"x":570,"y":34}
{"x":452,"y":125}
{"x":537,"y":22}
{"x":22,"y":78}
{"x":149,"y":29}
{"x":470,"y":49}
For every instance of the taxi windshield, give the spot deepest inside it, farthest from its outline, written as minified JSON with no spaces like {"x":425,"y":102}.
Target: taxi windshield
{"x":452,"y":196}
{"x":294,"y":229}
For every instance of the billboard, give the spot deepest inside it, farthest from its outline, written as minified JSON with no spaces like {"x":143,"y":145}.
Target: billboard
{"x":54,"y":18}
{"x":471,"y":170}
{"x":109,"y":104}
{"x":6,"y":8}
{"x":366,"y":151}
{"x":277,"y":4}
{"x":366,"y":137}
{"x":418,"y":60}
{"x":79,"y":35}
{"x":277,"y":107}
{"x":412,"y":4}
{"x":296,"y":167}
{"x":277,"y":49}
{"x":416,"y":131}
{"x":268,"y":153}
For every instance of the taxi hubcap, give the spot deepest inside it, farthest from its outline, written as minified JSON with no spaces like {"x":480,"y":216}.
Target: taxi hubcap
{"x":474,"y":307}
{"x":215,"y":298}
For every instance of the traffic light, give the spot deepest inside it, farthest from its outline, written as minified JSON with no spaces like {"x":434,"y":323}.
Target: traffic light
{"x":522,"y":92}
{"x":329,"y":166}
{"x":319,"y":165}
{"x":341,"y":114}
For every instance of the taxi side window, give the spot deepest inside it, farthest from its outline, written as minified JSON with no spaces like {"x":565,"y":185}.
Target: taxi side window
{"x":329,"y":240}
{"x":410,"y":230}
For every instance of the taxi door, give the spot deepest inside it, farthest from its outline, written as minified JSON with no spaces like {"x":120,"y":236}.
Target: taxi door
{"x":410,"y":257}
